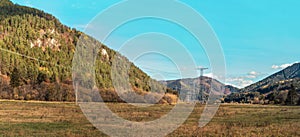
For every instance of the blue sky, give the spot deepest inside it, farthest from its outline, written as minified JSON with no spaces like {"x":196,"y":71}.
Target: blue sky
{"x":258,"y":37}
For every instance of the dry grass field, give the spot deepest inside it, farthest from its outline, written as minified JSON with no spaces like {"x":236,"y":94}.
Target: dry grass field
{"x":66,"y":119}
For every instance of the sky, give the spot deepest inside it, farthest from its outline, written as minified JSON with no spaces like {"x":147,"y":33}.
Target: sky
{"x":258,"y":37}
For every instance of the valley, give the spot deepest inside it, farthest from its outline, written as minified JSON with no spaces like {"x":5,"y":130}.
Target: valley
{"x":32,"y":118}
{"x":43,"y":82}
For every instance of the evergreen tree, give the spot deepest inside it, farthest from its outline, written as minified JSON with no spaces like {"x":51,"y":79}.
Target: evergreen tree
{"x":41,"y":78}
{"x":15,"y":78}
{"x":292,"y":96}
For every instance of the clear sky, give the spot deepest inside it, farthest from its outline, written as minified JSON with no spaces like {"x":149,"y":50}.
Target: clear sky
{"x":258,"y":37}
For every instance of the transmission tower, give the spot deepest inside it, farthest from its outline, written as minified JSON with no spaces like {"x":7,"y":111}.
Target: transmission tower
{"x":201,"y":70}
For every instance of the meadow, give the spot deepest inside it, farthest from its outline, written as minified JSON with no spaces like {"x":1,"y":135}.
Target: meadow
{"x":21,"y":118}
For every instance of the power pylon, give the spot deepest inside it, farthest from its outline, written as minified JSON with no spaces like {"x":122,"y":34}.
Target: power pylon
{"x":201,"y":70}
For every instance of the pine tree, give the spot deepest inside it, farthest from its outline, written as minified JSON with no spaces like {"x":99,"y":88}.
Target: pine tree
{"x":15,"y":78}
{"x":41,"y":78}
{"x":292,"y":96}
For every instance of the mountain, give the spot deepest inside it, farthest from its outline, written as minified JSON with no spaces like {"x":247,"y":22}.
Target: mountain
{"x":231,"y":89}
{"x":36,"y":59}
{"x":284,"y":77}
{"x":185,"y":86}
{"x":274,"y":89}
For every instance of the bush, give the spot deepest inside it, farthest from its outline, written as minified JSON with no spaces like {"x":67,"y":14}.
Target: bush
{"x":170,"y":98}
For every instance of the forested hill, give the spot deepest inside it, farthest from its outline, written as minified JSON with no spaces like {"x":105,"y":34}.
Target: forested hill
{"x":36,"y":58}
{"x":265,"y":85}
{"x":282,"y":87}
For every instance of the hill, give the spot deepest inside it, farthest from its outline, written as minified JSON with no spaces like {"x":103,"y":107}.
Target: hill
{"x":185,"y":86}
{"x":272,"y":89}
{"x":36,"y":58}
{"x":291,"y":73}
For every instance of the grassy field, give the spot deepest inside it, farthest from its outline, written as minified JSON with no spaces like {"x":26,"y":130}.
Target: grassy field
{"x":66,"y":119}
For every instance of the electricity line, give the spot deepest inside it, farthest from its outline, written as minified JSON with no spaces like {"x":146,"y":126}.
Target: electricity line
{"x":29,"y":57}
{"x":161,"y":71}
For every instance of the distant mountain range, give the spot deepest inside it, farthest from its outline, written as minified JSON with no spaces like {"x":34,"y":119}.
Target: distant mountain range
{"x":273,"y":87}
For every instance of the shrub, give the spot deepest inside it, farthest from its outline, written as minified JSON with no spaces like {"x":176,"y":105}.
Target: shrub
{"x":170,"y":98}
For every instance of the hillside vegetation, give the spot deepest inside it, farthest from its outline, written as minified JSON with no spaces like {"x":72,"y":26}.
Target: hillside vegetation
{"x":36,"y":58}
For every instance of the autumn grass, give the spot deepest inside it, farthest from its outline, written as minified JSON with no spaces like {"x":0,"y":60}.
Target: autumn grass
{"x":66,"y":119}
{"x":246,"y":120}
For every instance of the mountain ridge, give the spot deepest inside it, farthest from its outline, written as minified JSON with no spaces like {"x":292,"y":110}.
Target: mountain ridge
{"x":290,"y":72}
{"x":277,"y":88}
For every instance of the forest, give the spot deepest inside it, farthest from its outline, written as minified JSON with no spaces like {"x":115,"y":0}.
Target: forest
{"x":37,"y":53}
